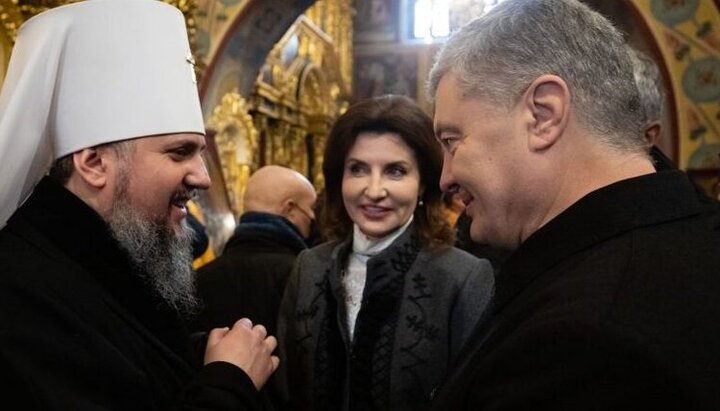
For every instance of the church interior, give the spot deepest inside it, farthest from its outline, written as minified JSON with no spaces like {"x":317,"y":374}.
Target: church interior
{"x":273,"y":75}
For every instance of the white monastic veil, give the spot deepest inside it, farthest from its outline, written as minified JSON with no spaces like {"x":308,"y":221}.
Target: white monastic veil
{"x":26,"y":150}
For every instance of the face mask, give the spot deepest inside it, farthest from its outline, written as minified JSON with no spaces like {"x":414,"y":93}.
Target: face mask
{"x":200,"y":240}
{"x":314,"y":237}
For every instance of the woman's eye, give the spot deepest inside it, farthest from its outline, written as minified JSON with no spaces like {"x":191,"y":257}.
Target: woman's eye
{"x":397,"y":171}
{"x":356,"y":169}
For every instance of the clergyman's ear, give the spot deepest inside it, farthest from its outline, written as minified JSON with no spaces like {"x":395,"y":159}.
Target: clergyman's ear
{"x":91,"y":165}
{"x":548,"y":101}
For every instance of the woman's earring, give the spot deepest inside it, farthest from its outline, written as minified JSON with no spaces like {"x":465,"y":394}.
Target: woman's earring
{"x":420,"y":202}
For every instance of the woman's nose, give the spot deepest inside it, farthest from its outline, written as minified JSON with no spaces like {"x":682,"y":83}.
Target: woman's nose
{"x":375,"y":188}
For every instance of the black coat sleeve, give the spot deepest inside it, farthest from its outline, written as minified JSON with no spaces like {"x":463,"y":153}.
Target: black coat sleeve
{"x":571,"y":366}
{"x":221,"y":386}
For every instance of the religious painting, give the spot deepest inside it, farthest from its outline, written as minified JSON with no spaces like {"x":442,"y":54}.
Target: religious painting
{"x":376,"y":20}
{"x":692,"y":49}
{"x":386,"y":73}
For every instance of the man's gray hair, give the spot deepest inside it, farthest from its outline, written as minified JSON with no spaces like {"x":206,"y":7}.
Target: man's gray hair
{"x":649,"y":84}
{"x":498,"y":55}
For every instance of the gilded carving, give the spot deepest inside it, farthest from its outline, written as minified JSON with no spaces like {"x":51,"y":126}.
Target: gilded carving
{"x":304,"y":85}
{"x":237,"y":145}
{"x":334,"y":17}
{"x":188,"y":9}
{"x":11,"y":18}
{"x":14,"y":12}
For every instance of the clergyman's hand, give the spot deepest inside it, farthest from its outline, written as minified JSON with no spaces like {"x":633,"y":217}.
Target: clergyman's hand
{"x":246,"y":346}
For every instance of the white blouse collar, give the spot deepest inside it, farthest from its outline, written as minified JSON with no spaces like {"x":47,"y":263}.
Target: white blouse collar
{"x":364,"y":245}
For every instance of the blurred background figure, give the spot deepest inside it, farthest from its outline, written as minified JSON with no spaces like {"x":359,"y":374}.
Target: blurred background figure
{"x":453,"y":207}
{"x":248,"y":279}
{"x":717,"y":186}
{"x":200,"y":239}
{"x":652,"y":94}
{"x":717,"y":189}
{"x":389,"y":284}
{"x":652,"y":104}
{"x":460,"y":221}
{"x":495,"y":255}
{"x":201,"y":250}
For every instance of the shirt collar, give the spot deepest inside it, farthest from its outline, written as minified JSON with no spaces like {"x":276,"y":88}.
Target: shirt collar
{"x":364,"y":245}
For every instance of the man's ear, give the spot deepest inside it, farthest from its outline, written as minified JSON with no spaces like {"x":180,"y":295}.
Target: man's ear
{"x":287,"y":207}
{"x":91,"y":165}
{"x":652,"y":133}
{"x":548,"y":101}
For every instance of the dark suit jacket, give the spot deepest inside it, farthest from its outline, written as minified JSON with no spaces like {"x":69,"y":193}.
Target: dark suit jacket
{"x":614,"y":304}
{"x":249,"y":278}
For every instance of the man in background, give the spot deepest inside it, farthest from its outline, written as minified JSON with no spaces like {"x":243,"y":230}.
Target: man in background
{"x":95,"y":259}
{"x":651,"y":93}
{"x":652,"y":104}
{"x":249,"y":278}
{"x":609,"y":300}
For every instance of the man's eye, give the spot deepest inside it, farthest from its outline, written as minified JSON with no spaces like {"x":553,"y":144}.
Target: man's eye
{"x":180,"y":153}
{"x":449,"y":143}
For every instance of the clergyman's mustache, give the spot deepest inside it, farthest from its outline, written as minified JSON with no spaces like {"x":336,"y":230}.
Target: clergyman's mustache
{"x":183,"y":196}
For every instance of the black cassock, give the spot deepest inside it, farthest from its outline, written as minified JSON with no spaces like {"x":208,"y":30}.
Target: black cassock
{"x":79,"y":330}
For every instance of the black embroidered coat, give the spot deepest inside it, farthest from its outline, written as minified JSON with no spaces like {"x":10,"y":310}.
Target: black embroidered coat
{"x":418,"y":308}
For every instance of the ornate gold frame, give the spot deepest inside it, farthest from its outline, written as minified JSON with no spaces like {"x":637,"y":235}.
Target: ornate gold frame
{"x":300,"y":91}
{"x":236,"y":140}
{"x":10,"y":19}
{"x":14,"y":12}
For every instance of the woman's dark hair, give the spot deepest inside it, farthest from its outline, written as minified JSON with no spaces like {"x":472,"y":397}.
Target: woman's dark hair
{"x":386,"y":114}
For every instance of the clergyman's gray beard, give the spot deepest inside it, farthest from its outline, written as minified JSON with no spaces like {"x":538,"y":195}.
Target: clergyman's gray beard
{"x":163,"y":257}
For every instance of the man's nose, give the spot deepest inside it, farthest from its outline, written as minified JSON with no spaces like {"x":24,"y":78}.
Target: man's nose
{"x":198,"y":176}
{"x":447,"y":180}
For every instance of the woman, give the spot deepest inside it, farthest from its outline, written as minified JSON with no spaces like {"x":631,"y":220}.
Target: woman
{"x":373,"y":318}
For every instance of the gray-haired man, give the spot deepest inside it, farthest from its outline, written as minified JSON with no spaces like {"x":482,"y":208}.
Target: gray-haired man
{"x":609,"y":300}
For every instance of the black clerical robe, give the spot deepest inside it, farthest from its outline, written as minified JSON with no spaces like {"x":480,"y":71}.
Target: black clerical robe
{"x":80,"y":330}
